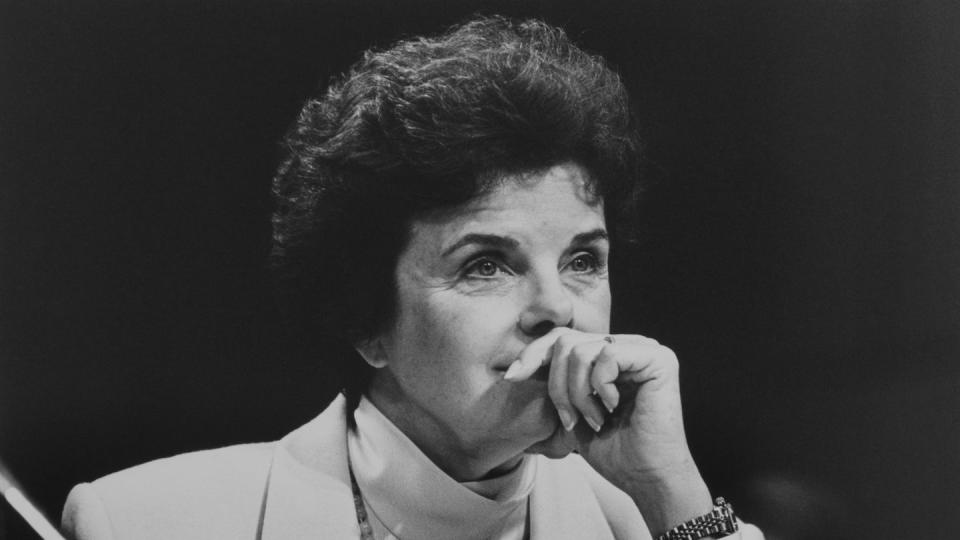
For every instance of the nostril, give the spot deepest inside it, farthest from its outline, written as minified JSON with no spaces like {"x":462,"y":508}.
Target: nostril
{"x":542,"y":328}
{"x":537,"y":324}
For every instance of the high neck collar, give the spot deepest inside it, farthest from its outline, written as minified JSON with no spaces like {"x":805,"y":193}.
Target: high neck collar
{"x":413,"y":498}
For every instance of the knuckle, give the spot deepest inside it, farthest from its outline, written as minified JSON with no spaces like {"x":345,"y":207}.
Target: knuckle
{"x":669,"y":359}
{"x":565,"y":341}
{"x":581,"y":354}
{"x":606,"y":355}
{"x":604,"y":370}
{"x":602,"y":362}
{"x":643,"y":340}
{"x":597,"y":382}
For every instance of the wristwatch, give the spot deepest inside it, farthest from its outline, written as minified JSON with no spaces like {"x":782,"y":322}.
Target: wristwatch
{"x":720,"y":522}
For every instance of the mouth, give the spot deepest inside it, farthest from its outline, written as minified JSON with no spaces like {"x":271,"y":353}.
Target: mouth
{"x":503,"y":364}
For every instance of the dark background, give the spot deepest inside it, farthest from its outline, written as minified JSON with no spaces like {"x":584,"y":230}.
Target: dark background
{"x":802,"y":249}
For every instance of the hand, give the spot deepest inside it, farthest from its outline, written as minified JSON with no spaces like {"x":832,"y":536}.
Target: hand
{"x":626,"y":389}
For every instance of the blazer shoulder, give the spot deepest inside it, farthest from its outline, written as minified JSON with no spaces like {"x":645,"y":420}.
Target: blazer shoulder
{"x":207,"y":494}
{"x":84,"y":516}
{"x":231,"y":466}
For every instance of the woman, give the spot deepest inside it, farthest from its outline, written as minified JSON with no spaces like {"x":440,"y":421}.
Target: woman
{"x":446,"y":214}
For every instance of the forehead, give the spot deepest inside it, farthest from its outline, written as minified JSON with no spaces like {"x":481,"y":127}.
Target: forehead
{"x":557,"y":202}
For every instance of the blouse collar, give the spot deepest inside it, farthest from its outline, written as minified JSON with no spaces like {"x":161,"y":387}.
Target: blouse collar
{"x":413,"y":498}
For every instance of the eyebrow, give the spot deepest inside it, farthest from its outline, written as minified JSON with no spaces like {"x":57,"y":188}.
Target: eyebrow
{"x":591,"y":236}
{"x":505,"y":242}
{"x":492,"y":240}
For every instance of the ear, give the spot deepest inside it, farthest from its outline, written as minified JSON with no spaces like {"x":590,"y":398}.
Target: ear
{"x":372,"y":352}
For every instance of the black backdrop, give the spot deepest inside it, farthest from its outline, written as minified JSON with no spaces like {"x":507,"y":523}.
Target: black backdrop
{"x":802,"y":248}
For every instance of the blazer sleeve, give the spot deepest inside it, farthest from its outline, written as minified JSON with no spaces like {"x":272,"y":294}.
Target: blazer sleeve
{"x":749,"y":532}
{"x":84,"y":516}
{"x":624,"y":518}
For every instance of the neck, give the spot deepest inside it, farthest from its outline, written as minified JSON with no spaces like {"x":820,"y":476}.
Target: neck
{"x":457,"y":458}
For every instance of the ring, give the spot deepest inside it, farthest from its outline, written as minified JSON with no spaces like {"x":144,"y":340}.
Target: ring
{"x":609,"y":339}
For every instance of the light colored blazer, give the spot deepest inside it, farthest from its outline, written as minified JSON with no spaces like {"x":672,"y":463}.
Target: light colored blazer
{"x":299,"y":487}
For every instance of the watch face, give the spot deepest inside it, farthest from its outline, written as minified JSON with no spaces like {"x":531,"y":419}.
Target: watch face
{"x":727,"y":519}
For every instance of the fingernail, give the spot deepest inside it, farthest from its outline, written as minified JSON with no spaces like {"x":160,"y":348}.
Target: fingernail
{"x":593,"y":424}
{"x":607,"y":405}
{"x":567,"y":419}
{"x":600,"y":397}
{"x":511,"y":373}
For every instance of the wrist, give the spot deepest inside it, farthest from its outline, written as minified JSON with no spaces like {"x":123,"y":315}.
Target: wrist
{"x":720,"y":522}
{"x":669,"y":500}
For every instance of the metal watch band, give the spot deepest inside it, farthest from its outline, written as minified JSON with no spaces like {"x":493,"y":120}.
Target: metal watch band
{"x":720,"y":522}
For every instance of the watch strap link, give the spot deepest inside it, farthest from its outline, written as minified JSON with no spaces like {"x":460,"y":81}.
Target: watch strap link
{"x":719,"y":522}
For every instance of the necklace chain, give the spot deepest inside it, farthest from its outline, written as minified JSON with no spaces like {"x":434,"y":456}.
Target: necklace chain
{"x":366,"y":531}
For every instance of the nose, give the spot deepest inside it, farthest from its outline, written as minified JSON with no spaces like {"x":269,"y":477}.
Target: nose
{"x":549,"y":305}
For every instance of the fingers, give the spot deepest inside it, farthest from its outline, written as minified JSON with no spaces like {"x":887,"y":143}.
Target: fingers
{"x":586,"y":368}
{"x":535,"y":355}
{"x":569,"y":384}
{"x":603,"y":379}
{"x":579,"y":361}
{"x":635,"y":359}
{"x":571,"y":361}
{"x":646,"y":362}
{"x":570,"y":355}
{"x":557,"y":383}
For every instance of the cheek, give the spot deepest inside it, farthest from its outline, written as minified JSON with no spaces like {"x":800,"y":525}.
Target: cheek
{"x":459,"y":339}
{"x":446,"y":331}
{"x":442,"y":336}
{"x":596,"y":311}
{"x":606,"y":303}
{"x":469,"y":332}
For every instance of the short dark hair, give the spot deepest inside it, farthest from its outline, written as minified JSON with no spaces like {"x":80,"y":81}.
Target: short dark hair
{"x":429,"y":124}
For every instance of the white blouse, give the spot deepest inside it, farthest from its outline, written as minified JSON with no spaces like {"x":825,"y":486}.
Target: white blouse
{"x":408,"y":497}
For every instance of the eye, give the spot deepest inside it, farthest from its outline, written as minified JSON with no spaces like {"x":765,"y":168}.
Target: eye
{"x":484,"y":268}
{"x":584,"y":263}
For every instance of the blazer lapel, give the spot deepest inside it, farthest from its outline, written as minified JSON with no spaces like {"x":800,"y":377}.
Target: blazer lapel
{"x":308,"y":493}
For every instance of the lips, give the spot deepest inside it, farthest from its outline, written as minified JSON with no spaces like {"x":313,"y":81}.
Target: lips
{"x":504,"y":363}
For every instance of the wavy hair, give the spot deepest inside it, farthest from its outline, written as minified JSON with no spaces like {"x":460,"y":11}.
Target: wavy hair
{"x":425,"y":125}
